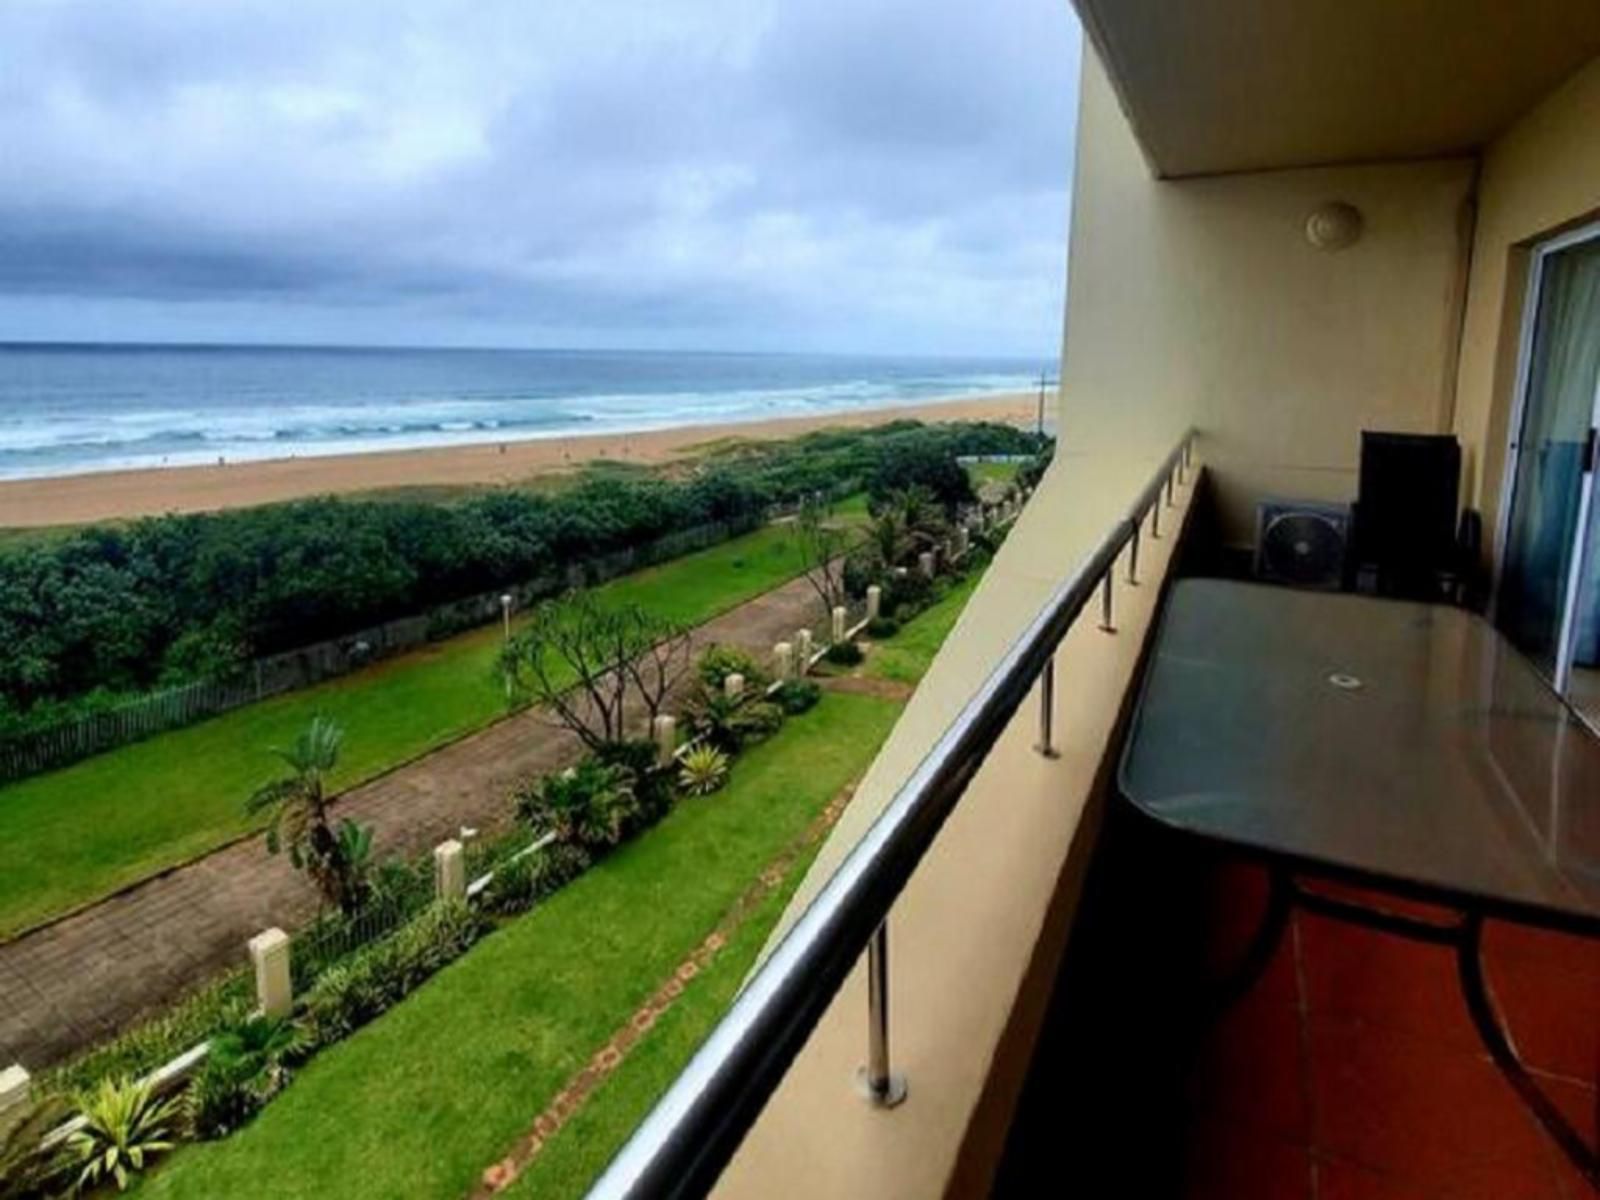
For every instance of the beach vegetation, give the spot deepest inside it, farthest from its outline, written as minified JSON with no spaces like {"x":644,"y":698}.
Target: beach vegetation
{"x":93,"y":616}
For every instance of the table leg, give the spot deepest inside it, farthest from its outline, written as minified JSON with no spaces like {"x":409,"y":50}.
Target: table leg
{"x":1469,"y":965}
{"x":1263,"y":944}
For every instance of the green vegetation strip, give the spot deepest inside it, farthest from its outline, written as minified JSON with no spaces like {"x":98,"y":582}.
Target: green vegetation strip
{"x":420,"y":1101}
{"x":905,"y":658}
{"x":76,"y":835}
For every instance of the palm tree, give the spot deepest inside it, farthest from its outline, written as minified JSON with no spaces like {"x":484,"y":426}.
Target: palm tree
{"x":298,"y":803}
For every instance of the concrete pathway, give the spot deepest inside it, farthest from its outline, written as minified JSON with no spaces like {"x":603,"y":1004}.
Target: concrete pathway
{"x":77,"y":981}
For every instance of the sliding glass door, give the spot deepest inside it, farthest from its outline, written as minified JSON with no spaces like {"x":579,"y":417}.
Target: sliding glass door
{"x":1546,"y":561}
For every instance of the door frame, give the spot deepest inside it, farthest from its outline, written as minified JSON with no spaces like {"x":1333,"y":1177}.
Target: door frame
{"x":1525,"y":337}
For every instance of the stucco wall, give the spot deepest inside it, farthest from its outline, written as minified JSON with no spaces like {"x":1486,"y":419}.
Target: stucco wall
{"x":1541,"y":176}
{"x":1201,"y":301}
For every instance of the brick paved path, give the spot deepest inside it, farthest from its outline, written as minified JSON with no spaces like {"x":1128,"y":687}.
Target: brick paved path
{"x":89,"y":975}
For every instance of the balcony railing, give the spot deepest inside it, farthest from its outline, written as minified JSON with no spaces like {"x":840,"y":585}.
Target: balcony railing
{"x":692,"y":1133}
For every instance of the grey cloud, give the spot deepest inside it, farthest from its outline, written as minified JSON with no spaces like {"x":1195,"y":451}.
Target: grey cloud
{"x":875,"y":174}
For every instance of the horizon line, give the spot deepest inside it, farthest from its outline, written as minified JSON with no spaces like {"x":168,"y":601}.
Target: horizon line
{"x":370,"y":348}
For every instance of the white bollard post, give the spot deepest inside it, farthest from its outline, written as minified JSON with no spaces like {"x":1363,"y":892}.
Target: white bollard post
{"x":666,"y":733}
{"x":733,"y":684}
{"x":874,"y":602}
{"x":269,"y":954}
{"x":925,"y":563}
{"x":802,"y":652}
{"x":839,"y":615}
{"x":783,"y":661}
{"x":16,"y":1091}
{"x":450,"y":870}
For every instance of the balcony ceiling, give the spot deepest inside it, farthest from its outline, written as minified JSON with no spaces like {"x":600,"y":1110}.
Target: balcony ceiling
{"x":1213,"y":86}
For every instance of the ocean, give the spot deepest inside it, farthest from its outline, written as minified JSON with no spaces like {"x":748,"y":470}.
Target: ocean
{"x":71,"y":409}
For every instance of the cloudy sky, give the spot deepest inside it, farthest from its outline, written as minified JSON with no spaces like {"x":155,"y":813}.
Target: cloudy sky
{"x":855,"y":175}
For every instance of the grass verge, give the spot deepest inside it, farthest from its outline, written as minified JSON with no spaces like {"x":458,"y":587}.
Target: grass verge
{"x":905,"y":658}
{"x":75,"y":835}
{"x":422,"y":1100}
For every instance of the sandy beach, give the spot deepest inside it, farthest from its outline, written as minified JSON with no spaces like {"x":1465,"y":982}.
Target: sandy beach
{"x":110,"y":495}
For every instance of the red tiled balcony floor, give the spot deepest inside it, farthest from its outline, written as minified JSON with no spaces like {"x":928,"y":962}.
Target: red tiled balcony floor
{"x":1351,"y":1070}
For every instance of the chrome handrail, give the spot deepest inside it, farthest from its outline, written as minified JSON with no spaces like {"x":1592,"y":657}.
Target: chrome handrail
{"x":681,"y":1148}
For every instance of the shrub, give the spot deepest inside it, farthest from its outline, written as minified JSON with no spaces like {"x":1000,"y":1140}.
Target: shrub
{"x":922,"y":465}
{"x":26,"y":1166}
{"x":718,"y":662}
{"x":652,"y":787}
{"x":592,"y":804}
{"x":511,"y":889}
{"x":797,"y":696}
{"x":730,"y":723}
{"x":125,"y":1126}
{"x":908,"y":591}
{"x":556,"y":866}
{"x":521,"y":883}
{"x":221,"y":1098}
{"x":704,"y":770}
{"x":142,"y":1049}
{"x":863,"y":567}
{"x":845,"y":654}
{"x":882,"y":628}
{"x":261,"y":1043}
{"x":352,"y":993}
{"x":190,"y":596}
{"x":758,"y":719}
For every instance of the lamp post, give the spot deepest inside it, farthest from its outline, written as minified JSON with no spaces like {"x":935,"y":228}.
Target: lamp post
{"x":505,"y":625}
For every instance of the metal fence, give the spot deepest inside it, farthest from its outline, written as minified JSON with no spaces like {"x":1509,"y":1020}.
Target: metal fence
{"x":34,"y":751}
{"x":334,"y":936}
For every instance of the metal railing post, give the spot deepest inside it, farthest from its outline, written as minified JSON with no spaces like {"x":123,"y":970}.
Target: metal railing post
{"x":880,"y":1085}
{"x":1169,"y":489}
{"x":1047,"y":710}
{"x":679,"y":1151}
{"x":1188,"y":451}
{"x":1155,"y":517}
{"x":1106,"y":623}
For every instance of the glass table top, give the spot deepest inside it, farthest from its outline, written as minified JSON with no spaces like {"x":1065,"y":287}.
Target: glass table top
{"x":1402,"y":741}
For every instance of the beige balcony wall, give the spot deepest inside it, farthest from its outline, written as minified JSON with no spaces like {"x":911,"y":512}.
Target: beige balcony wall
{"x":975,"y":936}
{"x":1201,"y":301}
{"x":1540,"y":177}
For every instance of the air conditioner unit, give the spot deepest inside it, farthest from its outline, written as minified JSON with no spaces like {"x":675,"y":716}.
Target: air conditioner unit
{"x":1302,"y":542}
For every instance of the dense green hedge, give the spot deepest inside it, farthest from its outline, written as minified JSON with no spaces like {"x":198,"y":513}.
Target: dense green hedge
{"x":113,"y":610}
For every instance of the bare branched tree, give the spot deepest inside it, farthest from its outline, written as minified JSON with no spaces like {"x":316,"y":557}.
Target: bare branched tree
{"x":822,"y":545}
{"x":582,"y":660}
{"x":656,"y":673}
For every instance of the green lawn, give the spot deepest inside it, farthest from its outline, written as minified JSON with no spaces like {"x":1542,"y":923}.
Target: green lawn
{"x":905,"y":658}
{"x":422,"y":1100}
{"x":77,"y":834}
{"x":993,"y":472}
